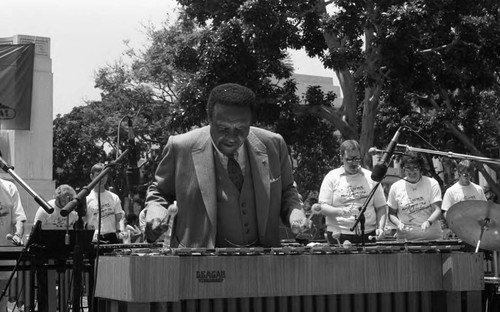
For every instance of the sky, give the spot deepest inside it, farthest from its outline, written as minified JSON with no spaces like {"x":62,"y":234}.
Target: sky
{"x":91,"y":34}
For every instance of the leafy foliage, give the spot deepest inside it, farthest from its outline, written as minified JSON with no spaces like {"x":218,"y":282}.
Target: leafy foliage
{"x":74,"y":149}
{"x":164,"y":91}
{"x":431,"y":66}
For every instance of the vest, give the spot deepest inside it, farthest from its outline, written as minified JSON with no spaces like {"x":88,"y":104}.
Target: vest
{"x":236,"y":212}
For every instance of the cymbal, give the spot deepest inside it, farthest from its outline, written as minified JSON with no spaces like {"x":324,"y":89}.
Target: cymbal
{"x":467,"y":218}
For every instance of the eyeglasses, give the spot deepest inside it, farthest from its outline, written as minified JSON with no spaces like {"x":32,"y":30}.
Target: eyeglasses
{"x":411,"y":168}
{"x":352,"y":160}
{"x":465,"y":174}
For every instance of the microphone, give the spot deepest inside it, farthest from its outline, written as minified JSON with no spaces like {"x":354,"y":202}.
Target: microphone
{"x":380,"y":169}
{"x":45,"y":205}
{"x":133,"y":175}
{"x":66,"y":210}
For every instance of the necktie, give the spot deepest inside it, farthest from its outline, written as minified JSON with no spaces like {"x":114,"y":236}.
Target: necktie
{"x":234,"y":172}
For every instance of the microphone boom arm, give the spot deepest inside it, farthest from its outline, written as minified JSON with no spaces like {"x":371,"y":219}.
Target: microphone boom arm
{"x":450,"y":154}
{"x":9,"y":169}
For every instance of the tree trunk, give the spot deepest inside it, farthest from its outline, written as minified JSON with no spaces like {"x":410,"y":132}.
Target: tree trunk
{"x":368,"y":124}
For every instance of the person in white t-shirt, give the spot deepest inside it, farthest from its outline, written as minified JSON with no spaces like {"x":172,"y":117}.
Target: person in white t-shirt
{"x":112,"y":228}
{"x":415,"y":202}
{"x":12,"y":219}
{"x":63,"y":195}
{"x":343,"y":192}
{"x":464,"y":189}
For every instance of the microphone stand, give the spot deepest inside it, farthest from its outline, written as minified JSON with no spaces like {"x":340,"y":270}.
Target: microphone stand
{"x":361,"y":216}
{"x":78,"y":204}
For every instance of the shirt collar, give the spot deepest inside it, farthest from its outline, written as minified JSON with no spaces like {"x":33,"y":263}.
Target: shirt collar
{"x":238,"y":155}
{"x":343,"y":172}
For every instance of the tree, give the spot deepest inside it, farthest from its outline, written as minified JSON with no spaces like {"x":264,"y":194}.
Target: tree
{"x":374,"y":47}
{"x":74,"y":149}
{"x":312,"y":141}
{"x":164,"y":91}
{"x":444,"y":74}
{"x":334,"y":37}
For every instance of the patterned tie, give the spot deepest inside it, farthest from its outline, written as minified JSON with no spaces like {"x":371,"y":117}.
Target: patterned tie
{"x":234,"y":172}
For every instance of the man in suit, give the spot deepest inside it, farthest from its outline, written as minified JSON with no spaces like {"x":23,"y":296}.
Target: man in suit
{"x":232,"y":183}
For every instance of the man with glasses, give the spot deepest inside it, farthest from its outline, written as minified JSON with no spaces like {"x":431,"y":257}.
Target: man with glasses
{"x":415,"y":202}
{"x":464,"y":188}
{"x":342,"y":194}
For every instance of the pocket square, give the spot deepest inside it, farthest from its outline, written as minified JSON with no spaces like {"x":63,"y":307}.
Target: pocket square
{"x":272,"y":180}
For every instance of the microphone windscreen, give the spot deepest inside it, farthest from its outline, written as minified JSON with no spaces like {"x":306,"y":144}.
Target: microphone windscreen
{"x":378,"y":172}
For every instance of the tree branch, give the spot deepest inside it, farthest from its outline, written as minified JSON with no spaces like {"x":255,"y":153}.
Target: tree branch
{"x":329,"y":114}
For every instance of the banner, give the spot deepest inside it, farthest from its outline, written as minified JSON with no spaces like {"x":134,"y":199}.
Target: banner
{"x":16,"y":85}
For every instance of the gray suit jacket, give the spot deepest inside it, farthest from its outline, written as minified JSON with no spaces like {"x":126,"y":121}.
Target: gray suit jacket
{"x":187,"y":174}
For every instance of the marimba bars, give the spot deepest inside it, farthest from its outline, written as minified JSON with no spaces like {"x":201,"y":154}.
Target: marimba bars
{"x":383,"y":278}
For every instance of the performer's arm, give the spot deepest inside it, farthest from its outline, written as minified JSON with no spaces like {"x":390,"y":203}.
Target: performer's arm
{"x":393,"y":216}
{"x":433,"y":217}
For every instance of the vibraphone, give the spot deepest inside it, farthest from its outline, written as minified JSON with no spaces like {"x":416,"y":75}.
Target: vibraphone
{"x":429,"y":276}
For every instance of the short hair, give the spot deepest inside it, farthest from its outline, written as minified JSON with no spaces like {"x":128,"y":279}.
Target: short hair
{"x":96,"y":168}
{"x":413,"y":158}
{"x":465,"y":165}
{"x":231,"y":94}
{"x":348,"y":145}
{"x":64,"y":190}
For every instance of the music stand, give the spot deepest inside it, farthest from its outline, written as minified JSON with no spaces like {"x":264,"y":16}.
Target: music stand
{"x":55,"y":245}
{"x":58,"y":244}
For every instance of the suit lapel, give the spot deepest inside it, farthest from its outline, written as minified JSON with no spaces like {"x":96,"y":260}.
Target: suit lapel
{"x":259,"y":163}
{"x":203,"y":159}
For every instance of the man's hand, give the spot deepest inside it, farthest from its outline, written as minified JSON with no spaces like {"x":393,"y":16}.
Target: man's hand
{"x":298,"y":222}
{"x":316,"y":208}
{"x":15,"y":239}
{"x":123,"y":235}
{"x":402,"y":227}
{"x":157,"y":221}
{"x":379,"y":233}
{"x":134,"y":230}
{"x":348,"y":211}
{"x":154,"y":229}
{"x":425,"y":225}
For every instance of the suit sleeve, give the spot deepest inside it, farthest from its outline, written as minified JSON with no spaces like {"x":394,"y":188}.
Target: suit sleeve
{"x":161,"y":193}
{"x":289,"y":195}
